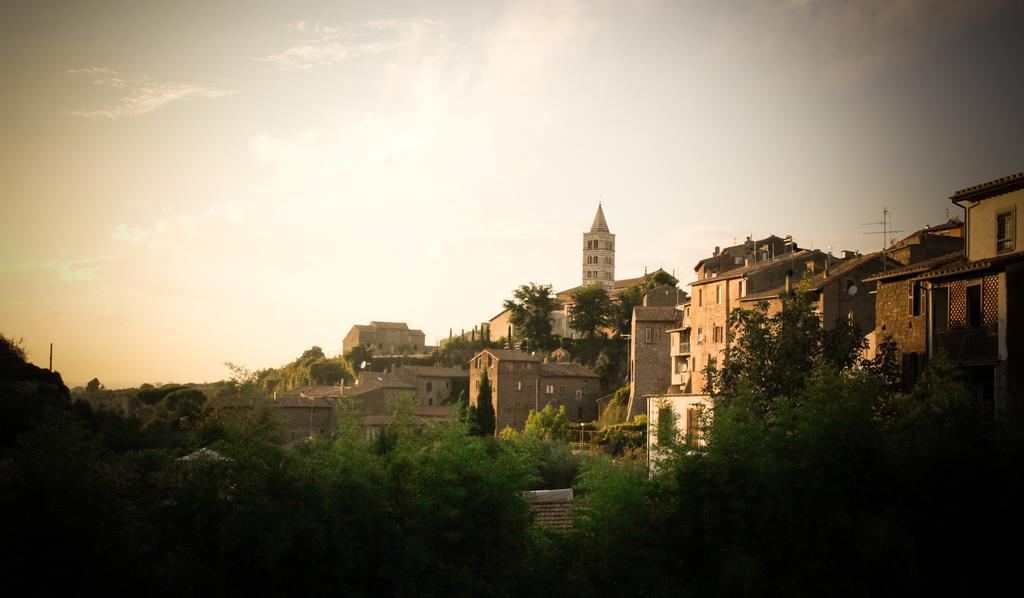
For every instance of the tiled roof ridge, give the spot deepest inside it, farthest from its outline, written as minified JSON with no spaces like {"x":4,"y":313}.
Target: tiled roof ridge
{"x":993,"y":185}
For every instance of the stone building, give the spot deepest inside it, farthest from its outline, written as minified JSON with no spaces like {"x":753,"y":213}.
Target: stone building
{"x":650,"y":355}
{"x":429,"y":386}
{"x":307,"y":417}
{"x":721,"y":284}
{"x":521,"y":383}
{"x":972,"y":306}
{"x":599,"y":252}
{"x":374,"y":424}
{"x":899,"y":301}
{"x":386,"y":338}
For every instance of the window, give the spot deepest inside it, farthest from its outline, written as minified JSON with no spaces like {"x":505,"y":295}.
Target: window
{"x":650,"y":335}
{"x":430,"y":401}
{"x":700,"y":297}
{"x":490,"y":361}
{"x":719,"y":334}
{"x":692,"y":424}
{"x":974,"y":305}
{"x":549,"y":389}
{"x":1004,"y":231}
{"x":915,"y":298}
{"x":739,"y":288}
{"x":718,"y":293}
{"x":519,"y":385}
{"x":700,"y":335}
{"x":561,"y":390}
{"x":579,"y":395}
{"x":713,"y":363}
{"x":430,"y":386}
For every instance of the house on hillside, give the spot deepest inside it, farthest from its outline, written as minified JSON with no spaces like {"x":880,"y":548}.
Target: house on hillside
{"x":520,"y":383}
{"x":650,"y":345}
{"x":385,"y":338}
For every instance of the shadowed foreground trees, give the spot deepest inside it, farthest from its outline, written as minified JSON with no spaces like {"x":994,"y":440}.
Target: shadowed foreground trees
{"x":836,"y":485}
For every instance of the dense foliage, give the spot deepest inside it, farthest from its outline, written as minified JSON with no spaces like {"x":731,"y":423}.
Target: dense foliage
{"x":831,"y":482}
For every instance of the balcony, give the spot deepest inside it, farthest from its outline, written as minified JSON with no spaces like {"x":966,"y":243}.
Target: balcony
{"x":969,"y":345}
{"x":680,"y":378}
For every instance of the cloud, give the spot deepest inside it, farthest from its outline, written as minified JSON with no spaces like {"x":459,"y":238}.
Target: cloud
{"x":132,"y":235}
{"x":68,"y":271}
{"x":142,"y":95}
{"x":326,"y":46}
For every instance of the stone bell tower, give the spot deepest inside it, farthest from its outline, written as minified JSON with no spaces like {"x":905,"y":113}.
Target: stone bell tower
{"x":599,"y":252}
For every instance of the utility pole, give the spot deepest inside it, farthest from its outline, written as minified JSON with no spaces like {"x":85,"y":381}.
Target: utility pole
{"x":51,"y":357}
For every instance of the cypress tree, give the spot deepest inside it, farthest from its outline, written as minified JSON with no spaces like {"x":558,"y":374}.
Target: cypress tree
{"x":484,"y":407}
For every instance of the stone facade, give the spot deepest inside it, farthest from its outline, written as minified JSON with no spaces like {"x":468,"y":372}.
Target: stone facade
{"x":650,"y":356}
{"x":386,"y":338}
{"x":599,"y":253}
{"x":521,"y":383}
{"x":428,"y":386}
{"x":974,"y":305}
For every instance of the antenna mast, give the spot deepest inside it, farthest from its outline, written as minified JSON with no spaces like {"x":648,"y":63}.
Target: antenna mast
{"x":886,"y":232}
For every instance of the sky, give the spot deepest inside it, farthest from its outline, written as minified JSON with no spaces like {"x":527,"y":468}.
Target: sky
{"x":189,"y":183}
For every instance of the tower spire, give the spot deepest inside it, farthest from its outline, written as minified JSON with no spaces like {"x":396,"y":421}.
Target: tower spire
{"x":600,"y":225}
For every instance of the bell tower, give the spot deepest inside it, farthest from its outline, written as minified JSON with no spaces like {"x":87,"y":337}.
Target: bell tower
{"x":599,"y":252}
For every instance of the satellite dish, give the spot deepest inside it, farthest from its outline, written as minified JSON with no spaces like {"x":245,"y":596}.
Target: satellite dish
{"x":700,"y":337}
{"x":852,"y":290}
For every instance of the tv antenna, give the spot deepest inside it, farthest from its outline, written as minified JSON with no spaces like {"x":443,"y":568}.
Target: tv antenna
{"x":886,"y":232}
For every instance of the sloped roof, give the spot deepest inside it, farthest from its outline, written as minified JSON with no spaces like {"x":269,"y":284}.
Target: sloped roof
{"x":923,"y":266}
{"x":551,"y":508}
{"x":434,"y":371}
{"x":509,"y":355}
{"x":390,"y":325}
{"x":779,"y":259}
{"x":600,"y":225}
{"x":618,"y":286}
{"x":566,"y":370}
{"x":820,"y":280}
{"x":310,"y":392}
{"x":999,"y":186}
{"x":656,"y":314}
{"x":962,"y":266}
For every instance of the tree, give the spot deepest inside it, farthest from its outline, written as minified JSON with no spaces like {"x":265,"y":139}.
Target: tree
{"x":628,"y":299}
{"x":547,"y":424}
{"x":312,"y":354}
{"x":485,"y":408}
{"x":329,"y":371}
{"x":357,"y":355}
{"x":93,"y":386}
{"x":179,"y":408}
{"x":592,"y":310}
{"x":659,"y":278}
{"x":774,"y":355}
{"x":531,"y":306}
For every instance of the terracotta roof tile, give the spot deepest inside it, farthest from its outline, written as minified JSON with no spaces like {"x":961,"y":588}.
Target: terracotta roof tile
{"x":991,"y":188}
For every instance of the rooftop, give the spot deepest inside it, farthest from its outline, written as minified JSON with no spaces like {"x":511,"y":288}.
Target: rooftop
{"x":656,"y":314}
{"x":998,"y":186}
{"x":566,"y":370}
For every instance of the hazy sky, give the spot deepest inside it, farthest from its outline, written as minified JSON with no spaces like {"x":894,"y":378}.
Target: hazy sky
{"x":185,"y":183}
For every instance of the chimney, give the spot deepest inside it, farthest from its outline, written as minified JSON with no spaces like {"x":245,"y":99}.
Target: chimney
{"x":789,"y":281}
{"x":717,"y":250}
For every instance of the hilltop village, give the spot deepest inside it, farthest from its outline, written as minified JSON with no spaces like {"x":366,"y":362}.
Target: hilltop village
{"x":614,"y":351}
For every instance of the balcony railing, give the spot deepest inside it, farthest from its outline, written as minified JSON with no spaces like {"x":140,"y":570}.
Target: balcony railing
{"x":682,"y":348}
{"x":966,"y":345}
